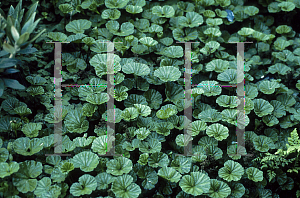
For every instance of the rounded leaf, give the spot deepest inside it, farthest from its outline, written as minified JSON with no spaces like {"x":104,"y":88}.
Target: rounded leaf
{"x":87,"y":184}
{"x":137,"y":69}
{"x":218,"y":131}
{"x":268,"y":87}
{"x":111,"y":14}
{"x":134,"y":9}
{"x":254,"y":174}
{"x":86,"y":161}
{"x":116,"y":3}
{"x":167,"y":73}
{"x":173,"y":52}
{"x":102,"y":144}
{"x":262,"y":107}
{"x":169,"y":174}
{"x":232,"y":171}
{"x":119,"y":166}
{"x":78,"y":26}
{"x":192,"y":19}
{"x":251,"y":10}
{"x":25,"y":146}
{"x":195,"y":184}
{"x":218,"y":189}
{"x":123,"y":187}
{"x":165,"y":11}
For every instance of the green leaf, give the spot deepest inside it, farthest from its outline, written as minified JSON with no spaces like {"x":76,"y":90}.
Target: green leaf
{"x":228,"y":101}
{"x":45,"y":189}
{"x":195,"y":127}
{"x":78,"y":26}
{"x":138,"y":69}
{"x":254,"y":174}
{"x":103,"y":180}
{"x":218,"y":189}
{"x":280,"y":44}
{"x":209,"y":88}
{"x":25,"y":146}
{"x":87,"y":184}
{"x":22,"y":39}
{"x":15,"y":34}
{"x":262,"y":107}
{"x":232,"y":171}
{"x":116,"y":3}
{"x":173,"y":52}
{"x":119,"y":166}
{"x":235,"y":153}
{"x":268,"y":87}
{"x":237,"y":190}
{"x":14,"y":84}
{"x":158,"y":159}
{"x":286,"y":99}
{"x":65,"y":8}
{"x":167,"y":73}
{"x":143,"y":160}
{"x":165,"y":11}
{"x":142,"y":24}
{"x":214,"y":22}
{"x":195,"y":184}
{"x":217,"y":65}
{"x":98,"y":98}
{"x":134,"y":9}
{"x":111,"y":14}
{"x":182,"y":164}
{"x":142,"y":133}
{"x":150,"y":146}
{"x":76,"y":122}
{"x":7,"y":62}
{"x":210,"y":115}
{"x":287,"y":6}
{"x":183,"y":140}
{"x":174,"y":92}
{"x":123,"y":186}
{"x":149,"y":175}
{"x":2,"y":87}
{"x":24,"y":178}
{"x":283,"y":29}
{"x":67,"y":167}
{"x":164,"y":128}
{"x":218,"y":131}
{"x":279,"y":68}
{"x":251,"y":10}
{"x":169,"y":174}
{"x":143,"y":110}
{"x":185,"y":35}
{"x":126,"y":28}
{"x":148,"y":41}
{"x":270,"y":120}
{"x":263,"y":143}
{"x":8,"y":48}
{"x":102,"y":144}
{"x":192,"y":19}
{"x":86,"y":161}
{"x":134,"y":99}
{"x":36,"y":80}
{"x":154,"y":98}
{"x":129,"y":113}
{"x":57,"y":36}
{"x":31,"y":129}
{"x":7,"y":169}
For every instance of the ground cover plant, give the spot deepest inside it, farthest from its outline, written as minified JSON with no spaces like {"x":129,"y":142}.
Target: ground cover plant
{"x":149,"y":98}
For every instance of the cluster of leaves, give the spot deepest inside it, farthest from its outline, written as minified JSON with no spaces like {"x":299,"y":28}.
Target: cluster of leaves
{"x":149,"y":93}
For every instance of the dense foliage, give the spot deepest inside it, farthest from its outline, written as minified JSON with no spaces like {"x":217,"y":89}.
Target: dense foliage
{"x":149,"y":98}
